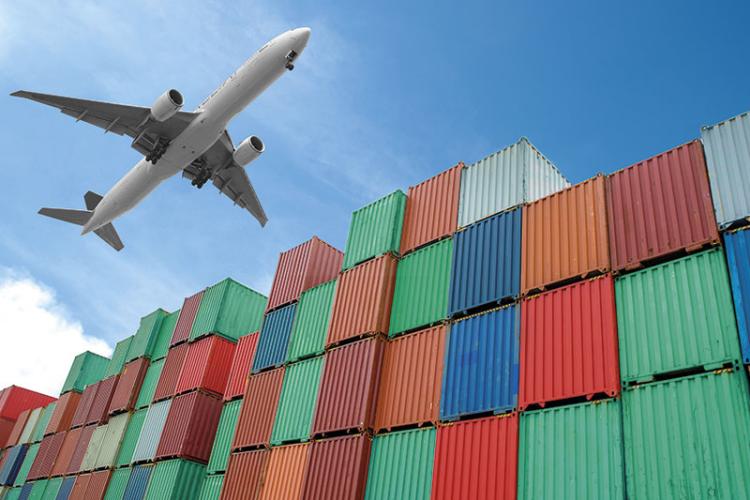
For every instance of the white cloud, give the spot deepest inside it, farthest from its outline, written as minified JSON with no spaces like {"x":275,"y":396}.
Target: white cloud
{"x":38,"y":339}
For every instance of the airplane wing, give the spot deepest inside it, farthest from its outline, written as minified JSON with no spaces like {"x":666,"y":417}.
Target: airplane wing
{"x":229,"y":177}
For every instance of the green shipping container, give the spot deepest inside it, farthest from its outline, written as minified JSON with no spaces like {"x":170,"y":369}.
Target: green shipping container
{"x":148,"y":388}
{"x":175,"y":480}
{"x":144,"y":339}
{"x":118,"y":481}
{"x":37,"y":491}
{"x":401,"y":465}
{"x":130,"y":438}
{"x":119,"y":356}
{"x":224,"y":435}
{"x":94,"y":448}
{"x":572,"y":452}
{"x":676,"y":316}
{"x":688,"y":437}
{"x":43,"y":422}
{"x":421,"y":294}
{"x":299,"y":393}
{"x":110,"y":447}
{"x":211,"y":489}
{"x":164,"y":336}
{"x":87,"y":368}
{"x":12,"y":494}
{"x":229,"y":309}
{"x":311,"y":322}
{"x":53,"y":486}
{"x":23,"y":472}
{"x":375,"y":229}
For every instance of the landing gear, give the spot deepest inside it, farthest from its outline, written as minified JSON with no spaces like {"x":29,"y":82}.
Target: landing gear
{"x":203,"y":174}
{"x":290,"y":57}
{"x":158,"y":151}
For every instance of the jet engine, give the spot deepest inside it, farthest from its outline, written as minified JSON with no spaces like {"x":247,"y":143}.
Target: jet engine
{"x":249,"y":150}
{"x":166,"y":105}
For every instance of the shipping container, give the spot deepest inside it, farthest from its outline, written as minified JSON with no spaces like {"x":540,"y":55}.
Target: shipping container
{"x":100,"y":405}
{"x":311,"y":321}
{"x":565,"y":236}
{"x":476,"y":459}
{"x":110,"y":448}
{"x":285,"y":472}
{"x":79,"y":487}
{"x":301,"y":268}
{"x":375,"y":229}
{"x":17,"y":430}
{"x":14,"y":400}
{"x":297,"y":401}
{"x":362,"y":304}
{"x":569,"y":344}
{"x":687,"y":437}
{"x":84,"y":405}
{"x":420,"y":297}
{"x":676,"y":316}
{"x":258,"y":411}
{"x":130,"y":438}
{"x":98,"y":483}
{"x":170,"y":372}
{"x":244,"y":476}
{"x":486,"y":263}
{"x":128,"y":386}
{"x":242,"y":362}
{"x":206,"y":366}
{"x":23,"y":471}
{"x":164,"y":335}
{"x":411,"y":379}
{"x":431,"y":211}
{"x":274,"y":338}
{"x":222,"y":444}
{"x":68,"y":448}
{"x":26,"y":491}
{"x":95,"y":447}
{"x":52,"y":488}
{"x":87,"y":368}
{"x":337,"y":468}
{"x":145,"y":338}
{"x":737,"y":247}
{"x":481,"y":365}
{"x":727,"y":146}
{"x":65,"y":408}
{"x":138,"y":482}
{"x":37,"y":490}
{"x":65,"y":488}
{"x":186,"y":318}
{"x":6,"y":427}
{"x":349,"y":387}
{"x":44,"y":420}
{"x":13,"y":494}
{"x":175,"y":480}
{"x":190,"y":427}
{"x":74,"y":465}
{"x":29,"y":426}
{"x":211,"y":487}
{"x":150,"y":381}
{"x":12,"y":462}
{"x":401,"y":465}
{"x":118,"y":481}
{"x":49,"y":448}
{"x":229,"y":309}
{"x":119,"y":355}
{"x":151,"y":431}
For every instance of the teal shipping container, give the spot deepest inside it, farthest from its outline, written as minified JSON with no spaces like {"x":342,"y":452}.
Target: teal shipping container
{"x":375,"y":229}
{"x":401,"y":465}
{"x":175,"y":480}
{"x":211,"y":488}
{"x":311,"y":322}
{"x":219,"y":458}
{"x":87,"y":368}
{"x":297,"y":401}
{"x":148,"y":387}
{"x":118,"y":481}
{"x":145,"y":338}
{"x":229,"y":309}
{"x":119,"y":356}
{"x":164,"y":335}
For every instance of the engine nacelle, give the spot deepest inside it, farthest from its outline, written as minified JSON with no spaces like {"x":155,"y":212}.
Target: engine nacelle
{"x":249,"y":150}
{"x":166,"y":105}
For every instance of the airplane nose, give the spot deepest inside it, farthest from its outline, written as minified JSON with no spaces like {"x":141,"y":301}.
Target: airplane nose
{"x":301,"y":36}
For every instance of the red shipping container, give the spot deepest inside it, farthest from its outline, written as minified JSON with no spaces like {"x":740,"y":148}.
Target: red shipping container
{"x":14,"y":400}
{"x":206,"y":366}
{"x":362,"y":304}
{"x":128,"y":387}
{"x":170,"y":373}
{"x":185,"y":319}
{"x":100,"y":406}
{"x":65,"y":408}
{"x":190,"y":427}
{"x":258,"y":412}
{"x":6,"y":427}
{"x":431,"y":209}
{"x":46,"y":456}
{"x":476,"y":459}
{"x":349,"y":387}
{"x":60,"y":467}
{"x":84,"y":406}
{"x":337,"y":468}
{"x":80,"y":451}
{"x":242,"y":361}
{"x":97,"y":486}
{"x":81,"y":484}
{"x":17,"y":430}
{"x":569,"y":344}
{"x":660,"y":206}
{"x":244,"y":476}
{"x":303,"y":267}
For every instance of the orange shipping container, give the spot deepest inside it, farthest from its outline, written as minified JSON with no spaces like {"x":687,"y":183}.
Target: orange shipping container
{"x":565,"y":236}
{"x":362,"y":304}
{"x":410,"y":379}
{"x":285,"y":472}
{"x":258,"y":411}
{"x":337,"y":468}
{"x":66,"y":452}
{"x":244,"y":475}
{"x":64,"y":410}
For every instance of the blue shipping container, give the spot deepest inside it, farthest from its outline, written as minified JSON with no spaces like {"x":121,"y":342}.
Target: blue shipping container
{"x":65,"y":488}
{"x":481,"y":365}
{"x":138,"y":482}
{"x":737,"y":246}
{"x":274,"y":338}
{"x":486,"y":262}
{"x":12,"y":464}
{"x":25,"y":491}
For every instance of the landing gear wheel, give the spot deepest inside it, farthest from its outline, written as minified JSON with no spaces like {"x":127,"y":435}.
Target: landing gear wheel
{"x":289,"y":66}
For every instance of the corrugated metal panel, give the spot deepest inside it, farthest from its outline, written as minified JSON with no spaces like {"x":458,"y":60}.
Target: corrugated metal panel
{"x":80,"y":450}
{"x":118,"y":357}
{"x":337,"y":468}
{"x":422,"y":282}
{"x":129,"y":385}
{"x":375,"y":229}
{"x":242,"y":361}
{"x":175,"y":480}
{"x":65,"y":488}
{"x":117,"y":484}
{"x":259,"y":409}
{"x":244,"y":476}
{"x":186,"y":318}
{"x":676,"y":316}
{"x":362,"y":304}
{"x":150,"y":381}
{"x":14,"y":400}
{"x":151,"y":431}
{"x":12,"y":464}
{"x":481,"y":366}
{"x":170,"y":373}
{"x":565,"y":236}
{"x":130,"y":438}
{"x":45,"y":459}
{"x":274,"y":338}
{"x":476,"y":459}
{"x":87,"y":368}
{"x":6,"y":427}
{"x":302,"y":267}
{"x":737,"y":245}
{"x":401,"y":465}
{"x":431,"y":209}
{"x":222,"y":446}
{"x":206,"y":366}
{"x":687,"y":438}
{"x":110,"y":447}
{"x":164,"y":335}
{"x":486,"y":264}
{"x":95,"y":447}
{"x":229,"y":309}
{"x":190,"y":427}
{"x":660,"y":206}
{"x":79,"y":487}
{"x":84,"y":406}
{"x":285,"y":472}
{"x":145,"y":338}
{"x":297,"y":402}
{"x":97,"y":485}
{"x":44,"y":420}
{"x":569,"y":343}
{"x":28,"y":460}
{"x":53,"y":487}
{"x":67,"y":449}
{"x":211,"y":487}
{"x":100,"y":404}
{"x":572,"y":452}
{"x":727,"y":147}
{"x":28,"y":428}
{"x":138,"y":482}
{"x":64,"y":410}
{"x":349,"y":387}
{"x":410,"y":380}
{"x":12,"y":494}
{"x":17,"y":429}
{"x":514,"y":175}
{"x":25,"y":491}
{"x":311,"y":322}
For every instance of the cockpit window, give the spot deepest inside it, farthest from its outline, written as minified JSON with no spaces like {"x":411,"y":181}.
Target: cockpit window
{"x":264,"y":47}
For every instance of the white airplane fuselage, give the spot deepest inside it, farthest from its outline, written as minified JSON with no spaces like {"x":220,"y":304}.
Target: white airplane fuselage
{"x":239,"y":90}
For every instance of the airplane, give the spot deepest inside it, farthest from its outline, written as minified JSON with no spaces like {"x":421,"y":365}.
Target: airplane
{"x":194,"y":143}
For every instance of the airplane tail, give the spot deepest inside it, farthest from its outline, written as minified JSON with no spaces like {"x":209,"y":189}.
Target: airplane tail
{"x":81,"y":217}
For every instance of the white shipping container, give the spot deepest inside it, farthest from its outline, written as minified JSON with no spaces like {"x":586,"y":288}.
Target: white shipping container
{"x":151,"y":431}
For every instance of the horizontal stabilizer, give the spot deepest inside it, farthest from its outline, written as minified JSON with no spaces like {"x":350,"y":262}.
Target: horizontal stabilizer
{"x":79,"y":217}
{"x":107,"y":233}
{"x":92,"y":199}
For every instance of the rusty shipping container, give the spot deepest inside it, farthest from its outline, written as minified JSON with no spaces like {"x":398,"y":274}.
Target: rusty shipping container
{"x":190,"y":427}
{"x":565,"y":236}
{"x":337,"y":468}
{"x":349,"y":387}
{"x":100,"y":405}
{"x":206,"y":366}
{"x":285,"y":472}
{"x":244,"y":476}
{"x":569,"y":344}
{"x":84,"y":406}
{"x":74,"y":465}
{"x":660,"y":206}
{"x":128,"y":386}
{"x":431,"y":209}
{"x":303,"y":267}
{"x":69,"y":444}
{"x":258,"y":412}
{"x":242,"y":361}
{"x":64,"y":410}
{"x":186,"y":318}
{"x":362,"y":304}
{"x":411,"y":379}
{"x":170,"y":373}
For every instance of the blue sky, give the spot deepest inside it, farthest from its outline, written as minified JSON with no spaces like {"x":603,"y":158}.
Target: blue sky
{"x":386,"y":94}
